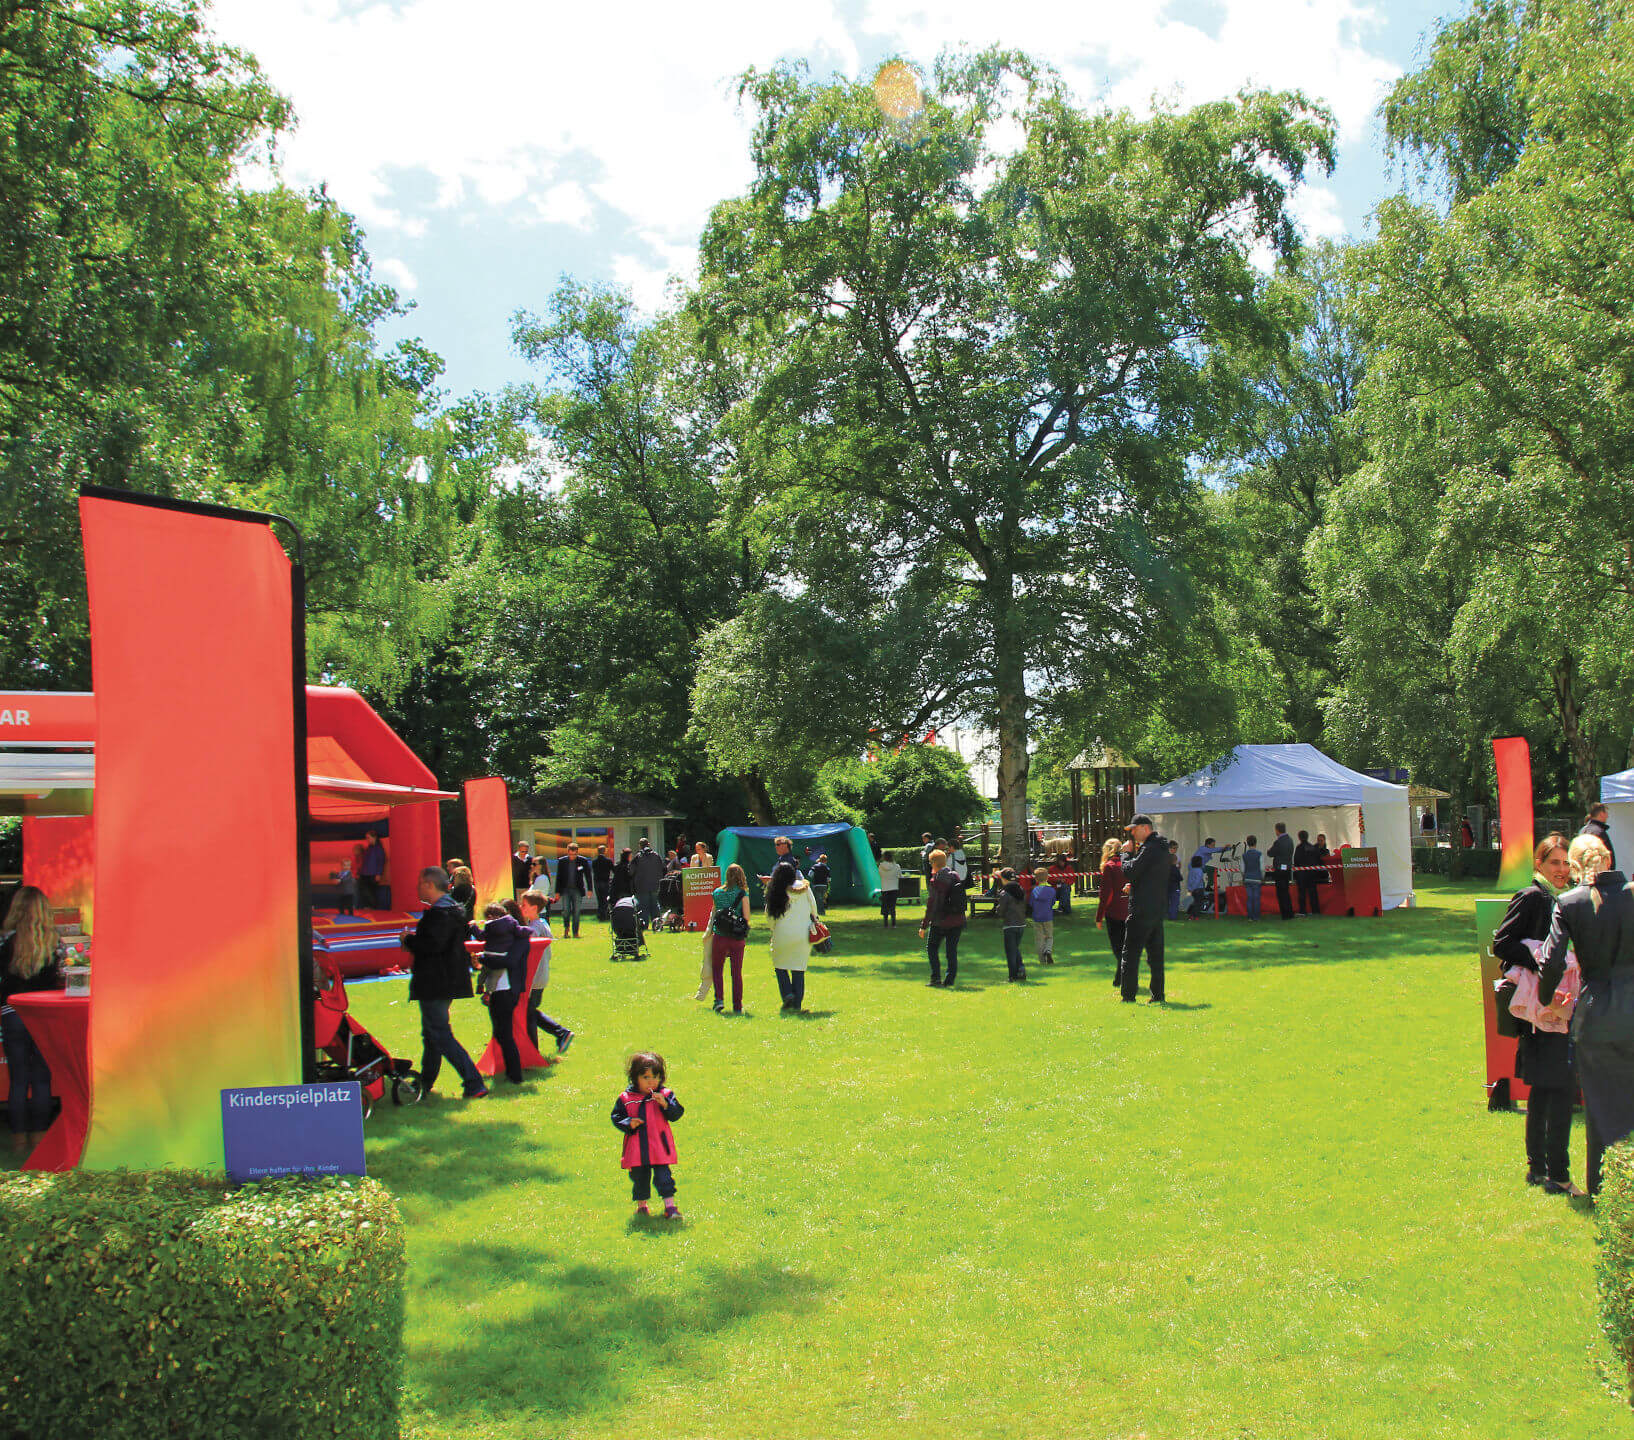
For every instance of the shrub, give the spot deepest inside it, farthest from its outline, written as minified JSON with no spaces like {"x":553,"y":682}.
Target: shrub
{"x":141,"y":1305}
{"x":1477,"y":864}
{"x":1614,"y":1213}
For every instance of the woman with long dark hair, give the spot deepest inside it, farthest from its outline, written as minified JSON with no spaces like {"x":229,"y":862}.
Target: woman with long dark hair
{"x":791,"y":911}
{"x":1596,"y":919}
{"x":1543,"y":1058}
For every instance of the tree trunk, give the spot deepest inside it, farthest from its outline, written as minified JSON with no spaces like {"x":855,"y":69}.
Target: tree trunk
{"x":760,"y":800}
{"x":1010,"y":667}
{"x":1579,"y":740}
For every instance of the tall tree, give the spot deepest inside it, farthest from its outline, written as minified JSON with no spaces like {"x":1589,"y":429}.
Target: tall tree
{"x":994,"y":364}
{"x":632,"y":535}
{"x":165,"y":328}
{"x":1501,"y":332}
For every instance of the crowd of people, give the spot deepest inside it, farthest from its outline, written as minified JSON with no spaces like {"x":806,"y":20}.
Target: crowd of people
{"x":1566,"y":943}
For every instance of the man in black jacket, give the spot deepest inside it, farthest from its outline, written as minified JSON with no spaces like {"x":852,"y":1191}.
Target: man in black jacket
{"x":440,"y":974}
{"x":1310,"y":898}
{"x":1281,"y":858}
{"x":572,"y":885}
{"x":1594,"y":823}
{"x":601,"y":875}
{"x":1147,"y":886}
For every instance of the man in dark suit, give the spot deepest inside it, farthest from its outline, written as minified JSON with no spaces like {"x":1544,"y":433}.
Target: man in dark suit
{"x":601,"y":876}
{"x":572,"y":885}
{"x":521,"y":867}
{"x":1147,"y":877}
{"x":439,"y":974}
{"x":1281,"y":858}
{"x":1310,"y":898}
{"x":1594,"y":823}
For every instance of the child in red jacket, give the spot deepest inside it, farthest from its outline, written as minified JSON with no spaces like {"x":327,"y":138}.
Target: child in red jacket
{"x":643,"y":1114}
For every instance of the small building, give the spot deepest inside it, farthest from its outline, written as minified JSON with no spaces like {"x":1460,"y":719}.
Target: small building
{"x":587,"y":812}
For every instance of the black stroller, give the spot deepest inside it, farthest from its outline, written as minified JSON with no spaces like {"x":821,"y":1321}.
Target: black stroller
{"x":629,"y":931}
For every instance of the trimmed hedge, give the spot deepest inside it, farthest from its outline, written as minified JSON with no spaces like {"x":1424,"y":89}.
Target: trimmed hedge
{"x":1480,"y":864}
{"x":166,"y":1304}
{"x":1614,"y":1214}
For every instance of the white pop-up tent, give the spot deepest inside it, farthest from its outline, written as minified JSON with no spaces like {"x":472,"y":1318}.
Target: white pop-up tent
{"x":1617,"y":795}
{"x":1257,"y":785}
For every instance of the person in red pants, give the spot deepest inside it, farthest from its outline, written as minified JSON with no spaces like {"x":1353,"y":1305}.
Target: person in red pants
{"x":728,"y":932}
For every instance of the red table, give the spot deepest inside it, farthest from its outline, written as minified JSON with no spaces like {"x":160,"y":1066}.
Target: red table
{"x":60,"y":1025}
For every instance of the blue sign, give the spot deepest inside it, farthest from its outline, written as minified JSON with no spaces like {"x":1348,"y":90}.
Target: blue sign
{"x":293,"y":1130}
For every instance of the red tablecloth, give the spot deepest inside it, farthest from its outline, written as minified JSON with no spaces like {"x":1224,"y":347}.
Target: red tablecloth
{"x":1331,"y":897}
{"x":61,"y":1026}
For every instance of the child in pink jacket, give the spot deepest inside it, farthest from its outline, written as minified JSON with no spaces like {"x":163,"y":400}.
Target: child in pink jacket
{"x":643,"y":1114}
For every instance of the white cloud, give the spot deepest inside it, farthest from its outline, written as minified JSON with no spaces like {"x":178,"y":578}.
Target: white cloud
{"x":395,"y":273}
{"x":565,"y":204}
{"x":1316,"y":209}
{"x":419,"y":110}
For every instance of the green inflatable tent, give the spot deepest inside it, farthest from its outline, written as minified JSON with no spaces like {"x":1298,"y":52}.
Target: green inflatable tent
{"x":853,"y":874}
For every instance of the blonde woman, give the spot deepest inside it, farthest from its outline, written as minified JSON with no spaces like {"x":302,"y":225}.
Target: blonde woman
{"x":1596,"y":919}
{"x":30,"y":959}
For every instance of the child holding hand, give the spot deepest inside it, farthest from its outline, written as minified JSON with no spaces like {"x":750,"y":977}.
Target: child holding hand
{"x":642,"y":1114}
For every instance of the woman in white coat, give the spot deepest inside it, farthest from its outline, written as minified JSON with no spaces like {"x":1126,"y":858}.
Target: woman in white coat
{"x":791,"y":911}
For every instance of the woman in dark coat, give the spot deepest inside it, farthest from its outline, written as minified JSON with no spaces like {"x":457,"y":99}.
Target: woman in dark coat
{"x":1542,"y":1059}
{"x":1597,"y":920}
{"x":623,"y":877}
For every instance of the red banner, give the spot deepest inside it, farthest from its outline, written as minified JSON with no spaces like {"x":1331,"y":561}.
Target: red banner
{"x":193,"y":658}
{"x":488,"y":832}
{"x":47,"y":717}
{"x":698,"y":886}
{"x":58,"y":859}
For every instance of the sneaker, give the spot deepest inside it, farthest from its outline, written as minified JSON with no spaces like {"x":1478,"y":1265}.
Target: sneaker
{"x":718,"y":1008}
{"x":671,"y":1212}
{"x":641,"y":1209}
{"x":564,"y":1042}
{"x":475,"y":1095}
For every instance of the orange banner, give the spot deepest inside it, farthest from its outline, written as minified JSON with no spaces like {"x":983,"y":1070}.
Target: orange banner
{"x":488,"y":832}
{"x":193,"y":659}
{"x":1513,"y":758}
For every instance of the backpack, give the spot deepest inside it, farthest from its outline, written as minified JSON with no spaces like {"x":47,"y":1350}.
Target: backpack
{"x":729,"y":923}
{"x":953,"y":907}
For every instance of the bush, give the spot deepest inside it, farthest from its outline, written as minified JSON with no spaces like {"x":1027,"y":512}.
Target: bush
{"x":167,"y":1304}
{"x":1478,"y":864}
{"x":1614,"y":1213}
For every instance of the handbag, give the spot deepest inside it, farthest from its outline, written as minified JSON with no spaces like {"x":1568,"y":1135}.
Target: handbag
{"x":818,"y":933}
{"x":730,"y":924}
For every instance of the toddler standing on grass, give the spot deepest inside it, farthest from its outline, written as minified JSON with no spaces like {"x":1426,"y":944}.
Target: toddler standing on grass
{"x":642,"y":1114}
{"x":1041,"y":901}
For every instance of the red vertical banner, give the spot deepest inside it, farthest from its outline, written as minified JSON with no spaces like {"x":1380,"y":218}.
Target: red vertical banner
{"x":57,"y":858}
{"x":1514,"y":761}
{"x":698,"y":886}
{"x":200,"y":752}
{"x":488,"y":832}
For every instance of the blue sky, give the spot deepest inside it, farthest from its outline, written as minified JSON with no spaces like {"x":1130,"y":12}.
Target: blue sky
{"x":490,"y":146}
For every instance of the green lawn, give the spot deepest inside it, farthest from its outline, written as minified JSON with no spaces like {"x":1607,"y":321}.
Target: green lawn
{"x":1278,"y":1207}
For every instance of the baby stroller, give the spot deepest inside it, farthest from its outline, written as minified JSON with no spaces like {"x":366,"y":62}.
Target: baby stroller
{"x":629,"y":931}
{"x":346,"y":1051}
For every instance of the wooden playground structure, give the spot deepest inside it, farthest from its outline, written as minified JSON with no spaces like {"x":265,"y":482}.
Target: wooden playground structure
{"x":1100,"y":809}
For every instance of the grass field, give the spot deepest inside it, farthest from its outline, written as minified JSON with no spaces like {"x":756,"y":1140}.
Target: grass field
{"x":1277,"y":1207}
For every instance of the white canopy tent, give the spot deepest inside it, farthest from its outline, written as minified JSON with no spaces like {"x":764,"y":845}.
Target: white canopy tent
{"x":1257,"y":785}
{"x":1617,"y":795}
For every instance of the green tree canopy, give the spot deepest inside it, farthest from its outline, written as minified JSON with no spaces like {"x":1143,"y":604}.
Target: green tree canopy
{"x":993,"y":364}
